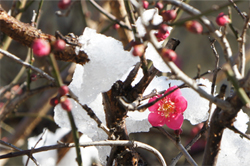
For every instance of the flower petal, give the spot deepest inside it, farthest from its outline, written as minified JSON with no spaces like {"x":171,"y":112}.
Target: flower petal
{"x":174,"y":94}
{"x":156,"y":105}
{"x":176,"y":122}
{"x":180,"y":104}
{"x":155,"y":119}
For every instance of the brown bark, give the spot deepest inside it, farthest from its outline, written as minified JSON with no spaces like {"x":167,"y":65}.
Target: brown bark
{"x":220,"y":120}
{"x":25,"y":34}
{"x":119,"y":11}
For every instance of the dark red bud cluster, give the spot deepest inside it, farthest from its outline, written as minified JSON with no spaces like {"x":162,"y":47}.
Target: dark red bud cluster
{"x":61,"y":98}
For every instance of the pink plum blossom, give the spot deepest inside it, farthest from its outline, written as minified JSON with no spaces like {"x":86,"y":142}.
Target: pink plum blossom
{"x":169,"y":110}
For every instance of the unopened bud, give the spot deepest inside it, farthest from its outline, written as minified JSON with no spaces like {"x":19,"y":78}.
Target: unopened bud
{"x":194,"y":27}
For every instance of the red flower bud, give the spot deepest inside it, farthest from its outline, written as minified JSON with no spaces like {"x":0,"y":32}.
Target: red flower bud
{"x":116,"y":26}
{"x":66,"y":105}
{"x":145,"y":4}
{"x":138,"y":50}
{"x":168,"y":54}
{"x":41,"y":47}
{"x":168,"y":15}
{"x":63,"y":90}
{"x":222,"y":19}
{"x":59,"y":44}
{"x":54,"y":101}
{"x":194,"y":27}
{"x":33,"y":77}
{"x":163,"y":28}
{"x":159,"y":5}
{"x":64,"y":4}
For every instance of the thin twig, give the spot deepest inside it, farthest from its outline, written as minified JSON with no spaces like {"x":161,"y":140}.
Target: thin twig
{"x":18,"y":149}
{"x":40,"y":139}
{"x":179,"y":146}
{"x":242,"y":48}
{"x":134,"y":144}
{"x":238,"y":131}
{"x":216,"y":70}
{"x":237,"y":9}
{"x":215,"y":33}
{"x":27,"y":65}
{"x":239,"y":90}
{"x":190,"y":144}
{"x":110,"y":16}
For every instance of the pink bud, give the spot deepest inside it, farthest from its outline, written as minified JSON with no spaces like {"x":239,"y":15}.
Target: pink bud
{"x":161,"y":36}
{"x":54,"y":101}
{"x":168,"y":54}
{"x":59,"y":45}
{"x":63,"y":90}
{"x":66,"y":105}
{"x":168,"y":15}
{"x":194,"y":27}
{"x":159,"y":5}
{"x":41,"y":47}
{"x":33,"y":77}
{"x":116,"y":26}
{"x":145,"y":4}
{"x":138,"y":50}
{"x":1,"y":104}
{"x":64,"y":4}
{"x":222,"y":19}
{"x":163,"y":28}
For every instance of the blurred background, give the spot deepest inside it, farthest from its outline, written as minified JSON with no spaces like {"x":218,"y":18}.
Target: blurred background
{"x":194,"y":50}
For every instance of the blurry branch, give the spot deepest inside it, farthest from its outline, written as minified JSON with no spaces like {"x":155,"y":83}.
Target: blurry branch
{"x":131,"y":17}
{"x":18,"y":149}
{"x":110,"y":16}
{"x":237,"y":9}
{"x":11,"y":105}
{"x":235,"y":32}
{"x":27,"y":65}
{"x":179,"y":146}
{"x":34,"y":115}
{"x":242,"y":43}
{"x":85,"y":14}
{"x":26,"y":34}
{"x":204,"y":13}
{"x":133,"y":144}
{"x":119,"y":10}
{"x":239,"y":90}
{"x":18,"y":15}
{"x":215,"y":33}
{"x":215,"y":73}
{"x":65,"y":14}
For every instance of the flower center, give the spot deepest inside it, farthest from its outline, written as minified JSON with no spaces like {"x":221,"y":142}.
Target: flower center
{"x":167,"y":107}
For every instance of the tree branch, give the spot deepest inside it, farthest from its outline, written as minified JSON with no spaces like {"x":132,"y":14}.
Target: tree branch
{"x":26,"y":34}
